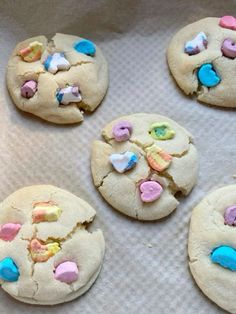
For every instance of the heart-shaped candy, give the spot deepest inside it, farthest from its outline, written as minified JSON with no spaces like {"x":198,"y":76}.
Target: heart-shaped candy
{"x":66,"y":272}
{"x":123,"y":162}
{"x":208,"y":76}
{"x":225,"y":256}
{"x":86,"y":47}
{"x":230,"y":216}
{"x":196,"y":45}
{"x":68,"y":95}
{"x":228,"y":21}
{"x":161,"y":131}
{"x":228,"y":48}
{"x":42,"y":252}
{"x":157,"y":158}
{"x":150,"y":191}
{"x":56,"y":62}
{"x":8,"y":270}
{"x":122,"y":131}
{"x":9,"y":231}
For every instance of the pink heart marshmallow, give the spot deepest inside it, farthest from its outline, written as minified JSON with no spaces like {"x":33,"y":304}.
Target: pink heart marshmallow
{"x":228,"y":21}
{"x":66,"y":272}
{"x":150,"y":191}
{"x":9,"y":231}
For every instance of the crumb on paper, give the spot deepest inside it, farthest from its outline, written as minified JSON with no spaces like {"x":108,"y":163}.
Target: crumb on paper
{"x":149,"y":245}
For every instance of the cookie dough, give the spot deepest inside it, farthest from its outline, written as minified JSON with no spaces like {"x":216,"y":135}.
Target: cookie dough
{"x":143,"y":162}
{"x":201,"y":58}
{"x":212,"y":244}
{"x":46,"y":254}
{"x":57,"y":79}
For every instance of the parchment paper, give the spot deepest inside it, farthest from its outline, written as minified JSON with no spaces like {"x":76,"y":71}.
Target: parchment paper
{"x":145,"y":268}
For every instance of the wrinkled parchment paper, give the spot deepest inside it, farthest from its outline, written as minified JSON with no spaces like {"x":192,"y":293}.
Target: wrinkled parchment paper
{"x":145,"y":268}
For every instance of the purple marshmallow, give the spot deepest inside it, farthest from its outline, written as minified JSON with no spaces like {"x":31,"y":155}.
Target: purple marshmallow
{"x":230,"y":216}
{"x":28,"y":89}
{"x":122,"y":131}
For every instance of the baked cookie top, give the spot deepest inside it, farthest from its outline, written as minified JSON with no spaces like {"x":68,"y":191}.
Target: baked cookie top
{"x":57,"y":79}
{"x":145,"y":160}
{"x":212,"y":246}
{"x":201,"y":57}
{"x":46,"y":254}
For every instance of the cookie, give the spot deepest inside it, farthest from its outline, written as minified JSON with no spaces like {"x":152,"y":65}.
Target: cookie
{"x":57,"y":80}
{"x":143,"y":162}
{"x":201,"y":58}
{"x":212,"y":246}
{"x":46,"y":254}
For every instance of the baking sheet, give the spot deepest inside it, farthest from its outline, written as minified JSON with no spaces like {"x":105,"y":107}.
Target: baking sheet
{"x":145,"y":268}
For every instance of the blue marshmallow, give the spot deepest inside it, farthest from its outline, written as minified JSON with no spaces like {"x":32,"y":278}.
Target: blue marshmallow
{"x":208,"y":76}
{"x":86,"y":47}
{"x":8,"y":270}
{"x":225,"y":256}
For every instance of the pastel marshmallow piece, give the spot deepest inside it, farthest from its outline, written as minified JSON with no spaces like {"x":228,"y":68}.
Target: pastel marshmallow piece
{"x":56,"y":62}
{"x":86,"y":47}
{"x":32,"y":53}
{"x":196,"y":45}
{"x":157,"y":158}
{"x":28,"y":89}
{"x":161,"y":131}
{"x":228,"y":21}
{"x":122,"y":131}
{"x":66,"y":272}
{"x":150,"y":191}
{"x":53,"y":248}
{"x":230,"y":216}
{"x":68,"y":95}
{"x":9,"y":231}
{"x":45,"y":211}
{"x":225,"y":256}
{"x":123,"y":162}
{"x":228,"y":48}
{"x":42,"y":252}
{"x":208,"y":76}
{"x":8,"y":270}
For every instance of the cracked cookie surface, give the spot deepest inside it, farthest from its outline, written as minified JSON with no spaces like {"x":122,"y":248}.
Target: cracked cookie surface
{"x":37,"y":283}
{"x":122,"y":190}
{"x":185,"y":68}
{"x":88,"y":73}
{"x":209,"y":230}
